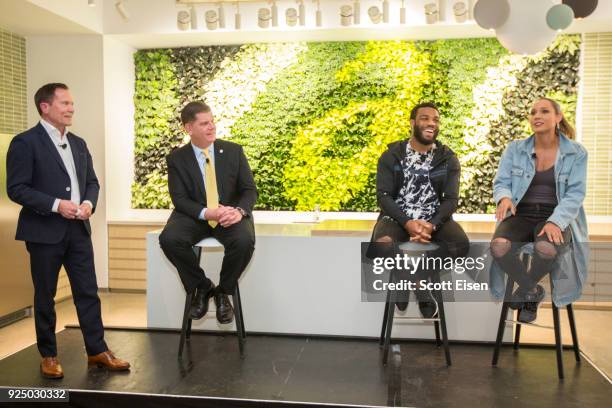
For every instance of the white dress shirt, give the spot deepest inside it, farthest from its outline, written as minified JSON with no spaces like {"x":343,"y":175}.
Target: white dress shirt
{"x":58,"y":140}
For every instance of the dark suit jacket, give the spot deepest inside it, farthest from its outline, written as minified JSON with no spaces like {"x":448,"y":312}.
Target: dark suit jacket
{"x":235,"y":183}
{"x":36,"y":176}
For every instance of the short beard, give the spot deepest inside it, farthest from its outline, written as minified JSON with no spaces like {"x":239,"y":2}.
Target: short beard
{"x":418,"y":135}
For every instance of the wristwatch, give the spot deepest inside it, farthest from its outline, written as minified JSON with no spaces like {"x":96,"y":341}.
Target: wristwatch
{"x":242,"y":212}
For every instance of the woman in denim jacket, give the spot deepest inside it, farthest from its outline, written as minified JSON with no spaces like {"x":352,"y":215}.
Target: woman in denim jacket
{"x":539,"y":189}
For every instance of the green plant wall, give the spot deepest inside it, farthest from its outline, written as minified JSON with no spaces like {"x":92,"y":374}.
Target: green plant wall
{"x":313,"y":118}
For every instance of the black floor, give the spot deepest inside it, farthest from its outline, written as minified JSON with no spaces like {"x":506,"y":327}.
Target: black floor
{"x":310,"y":370}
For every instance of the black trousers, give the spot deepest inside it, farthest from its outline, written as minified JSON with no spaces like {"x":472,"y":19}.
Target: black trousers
{"x":75,"y":253}
{"x":450,"y":236}
{"x":522,"y":228}
{"x":181,"y":233}
{"x":452,"y":240}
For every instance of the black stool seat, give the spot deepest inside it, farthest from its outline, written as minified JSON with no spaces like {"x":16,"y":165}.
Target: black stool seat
{"x":186,"y":327}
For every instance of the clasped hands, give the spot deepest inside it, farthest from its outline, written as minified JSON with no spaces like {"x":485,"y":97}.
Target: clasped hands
{"x":226,"y":216}
{"x":71,"y":211}
{"x":552,"y":231}
{"x":419,"y":230}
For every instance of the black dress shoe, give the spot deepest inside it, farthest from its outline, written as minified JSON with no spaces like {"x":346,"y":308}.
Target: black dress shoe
{"x":225,"y":311}
{"x":199,"y":306}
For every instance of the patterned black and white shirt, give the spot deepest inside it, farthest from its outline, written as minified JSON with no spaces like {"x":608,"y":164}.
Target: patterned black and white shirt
{"x":417,"y":198}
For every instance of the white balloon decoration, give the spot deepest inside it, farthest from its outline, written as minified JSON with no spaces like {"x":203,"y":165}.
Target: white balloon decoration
{"x":526,"y":31}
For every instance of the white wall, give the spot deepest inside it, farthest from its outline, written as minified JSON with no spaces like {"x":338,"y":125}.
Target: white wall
{"x":119,"y":125}
{"x":77,"y":61}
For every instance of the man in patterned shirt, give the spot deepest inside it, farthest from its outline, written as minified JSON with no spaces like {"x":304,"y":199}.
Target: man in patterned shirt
{"x":417,"y":185}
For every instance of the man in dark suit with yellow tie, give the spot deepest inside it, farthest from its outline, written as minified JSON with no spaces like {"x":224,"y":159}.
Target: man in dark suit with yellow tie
{"x":50,"y":173}
{"x":213,"y":192}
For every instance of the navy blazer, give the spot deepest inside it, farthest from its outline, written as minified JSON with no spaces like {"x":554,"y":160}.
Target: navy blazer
{"x":235,"y":183}
{"x":36,"y":176}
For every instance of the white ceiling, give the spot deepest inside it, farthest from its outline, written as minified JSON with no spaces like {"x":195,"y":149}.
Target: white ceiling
{"x":25,"y":18}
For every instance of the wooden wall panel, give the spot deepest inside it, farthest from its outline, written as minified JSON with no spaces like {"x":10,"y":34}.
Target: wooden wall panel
{"x":127,"y":256}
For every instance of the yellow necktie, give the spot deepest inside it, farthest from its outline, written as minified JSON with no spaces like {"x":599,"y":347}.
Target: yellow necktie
{"x":212,"y":195}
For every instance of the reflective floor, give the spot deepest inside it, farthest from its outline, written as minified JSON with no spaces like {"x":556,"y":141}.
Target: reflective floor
{"x":317,"y":370}
{"x":129,"y":310}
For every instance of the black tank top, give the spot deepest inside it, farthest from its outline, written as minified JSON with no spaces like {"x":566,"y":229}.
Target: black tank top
{"x":542,"y":189}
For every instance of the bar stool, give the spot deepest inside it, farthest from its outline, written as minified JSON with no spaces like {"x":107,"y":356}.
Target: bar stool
{"x":526,"y":253}
{"x":186,"y":327}
{"x":414,"y":249}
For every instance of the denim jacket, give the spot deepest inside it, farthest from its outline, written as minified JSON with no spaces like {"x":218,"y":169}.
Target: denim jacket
{"x":516,"y":170}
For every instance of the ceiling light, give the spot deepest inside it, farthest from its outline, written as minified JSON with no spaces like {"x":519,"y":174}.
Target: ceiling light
{"x":274,"y":11}
{"x":291,"y":15}
{"x":183,"y":20}
{"x":460,"y":10}
{"x":212,"y":20}
{"x":238,"y":17}
{"x":120,"y":7}
{"x":221,"y":17}
{"x":346,"y":15}
{"x":263,"y":18}
{"x":431,"y":13}
{"x":385,"y":11}
{"x":375,"y":14}
{"x":302,"y":12}
{"x":193,"y":17}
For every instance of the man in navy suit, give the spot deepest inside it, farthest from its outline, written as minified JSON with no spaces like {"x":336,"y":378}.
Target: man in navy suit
{"x":50,"y":174}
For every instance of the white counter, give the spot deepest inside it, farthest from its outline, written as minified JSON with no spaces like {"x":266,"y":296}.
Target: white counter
{"x":303,"y":281}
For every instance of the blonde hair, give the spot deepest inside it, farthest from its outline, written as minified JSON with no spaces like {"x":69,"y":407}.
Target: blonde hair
{"x":564,"y":126}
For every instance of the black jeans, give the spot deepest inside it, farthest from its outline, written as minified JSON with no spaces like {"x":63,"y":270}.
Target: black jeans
{"x":522,"y":228}
{"x":451,"y":239}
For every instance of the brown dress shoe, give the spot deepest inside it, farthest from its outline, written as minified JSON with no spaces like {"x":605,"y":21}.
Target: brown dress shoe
{"x":51,"y":368}
{"x":108,"y":360}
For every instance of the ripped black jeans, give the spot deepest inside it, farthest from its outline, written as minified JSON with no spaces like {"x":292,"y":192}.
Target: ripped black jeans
{"x":522,"y":228}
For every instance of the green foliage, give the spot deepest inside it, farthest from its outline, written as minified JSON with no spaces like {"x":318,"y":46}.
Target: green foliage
{"x":154,"y":100}
{"x":240,"y":80}
{"x":298,"y":95}
{"x":457,"y":65}
{"x":153,"y":193}
{"x":334,"y":157}
{"x":314,"y":118}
